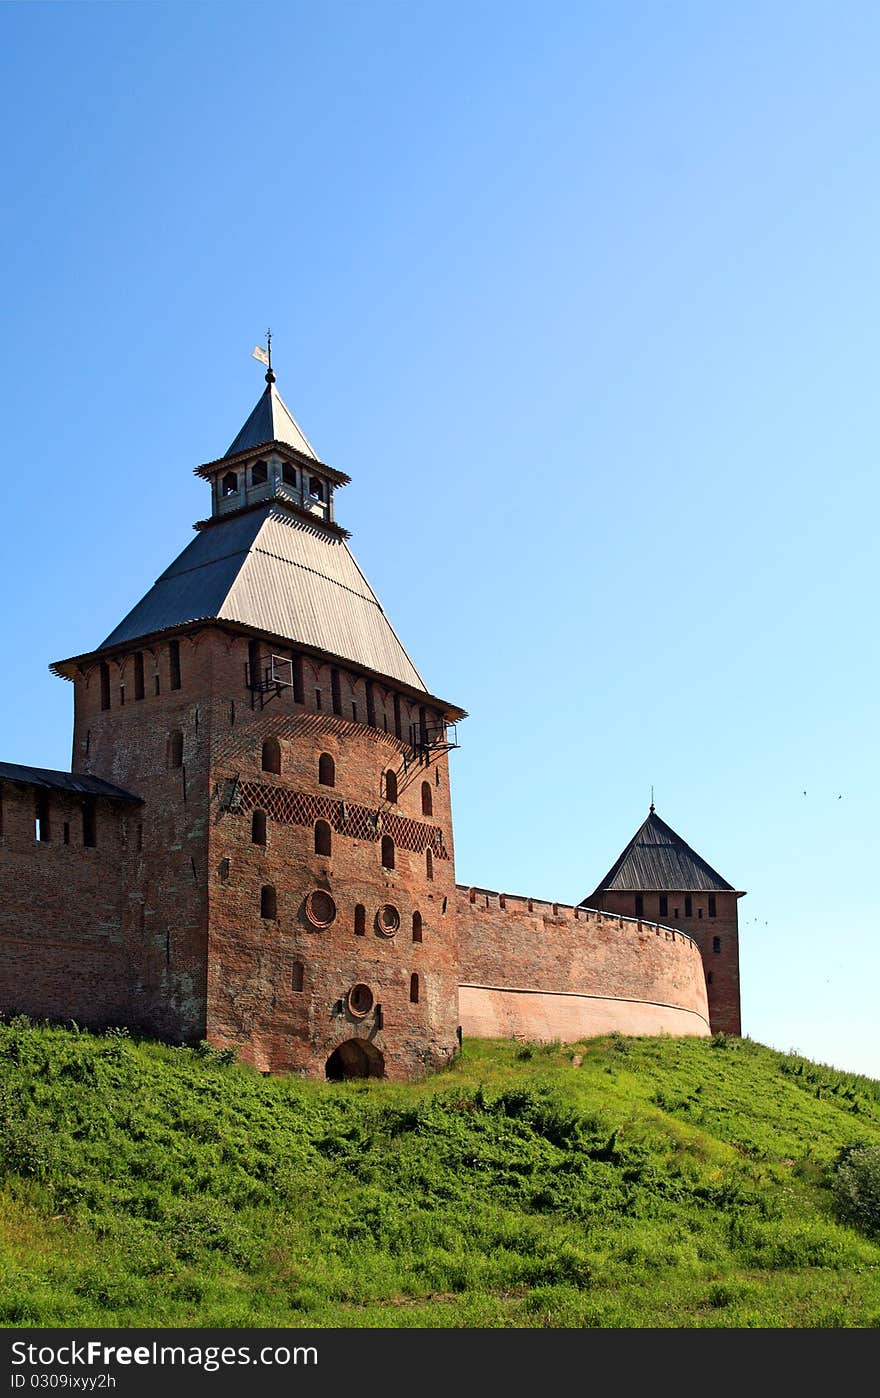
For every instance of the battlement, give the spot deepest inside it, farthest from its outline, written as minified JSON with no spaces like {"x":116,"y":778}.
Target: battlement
{"x":489,"y":900}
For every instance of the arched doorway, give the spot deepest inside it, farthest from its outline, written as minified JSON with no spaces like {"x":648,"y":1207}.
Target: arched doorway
{"x":355,"y":1059}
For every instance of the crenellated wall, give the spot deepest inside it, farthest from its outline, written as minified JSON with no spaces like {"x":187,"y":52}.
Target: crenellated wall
{"x":538,"y":970}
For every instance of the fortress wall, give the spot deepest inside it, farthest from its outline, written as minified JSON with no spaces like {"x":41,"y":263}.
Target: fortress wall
{"x":540,"y":970}
{"x":63,"y":913}
{"x":717,"y":936}
{"x":128,"y":744}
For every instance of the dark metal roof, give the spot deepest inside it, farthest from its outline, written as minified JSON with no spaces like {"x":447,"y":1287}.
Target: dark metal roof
{"x":75,"y":782}
{"x":272,"y":421}
{"x":657,"y":860}
{"x":271,"y":571}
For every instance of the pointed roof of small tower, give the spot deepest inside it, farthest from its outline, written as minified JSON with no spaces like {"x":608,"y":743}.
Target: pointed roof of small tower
{"x":271,"y":421}
{"x":658,"y":860}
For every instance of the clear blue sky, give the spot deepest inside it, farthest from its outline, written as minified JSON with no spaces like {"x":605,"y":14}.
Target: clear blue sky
{"x":585,"y":299}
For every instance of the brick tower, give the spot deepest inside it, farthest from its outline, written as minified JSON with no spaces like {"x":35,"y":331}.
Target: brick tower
{"x":661,"y":879}
{"x":287,"y":880}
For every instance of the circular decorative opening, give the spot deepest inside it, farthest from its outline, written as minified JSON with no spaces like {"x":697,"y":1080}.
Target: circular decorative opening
{"x":320,"y":908}
{"x":388,"y":920}
{"x":360,"y":1000}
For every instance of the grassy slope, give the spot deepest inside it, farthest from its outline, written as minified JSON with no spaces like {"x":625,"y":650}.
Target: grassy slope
{"x":614,"y":1183}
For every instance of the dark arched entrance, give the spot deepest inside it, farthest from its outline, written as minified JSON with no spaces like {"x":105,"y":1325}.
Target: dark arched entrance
{"x":355,"y":1059}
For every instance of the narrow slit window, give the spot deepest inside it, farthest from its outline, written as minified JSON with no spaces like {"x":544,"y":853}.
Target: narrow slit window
{"x":360,"y":920}
{"x":175,"y":748}
{"x":43,"y":823}
{"x":712,"y":905}
{"x":174,"y":663}
{"x":90,"y":823}
{"x":387,"y":852}
{"x":296,"y":979}
{"x":688,"y":906}
{"x":417,"y":927}
{"x":139,"y":675}
{"x":326,"y":770}
{"x":371,"y":704}
{"x":335,"y":691}
{"x":640,"y":905}
{"x":254,"y":676}
{"x":427,"y":799}
{"x":716,"y":944}
{"x":323,"y":838}
{"x":258,"y":828}
{"x":317,"y":698}
{"x":105,"y":685}
{"x":398,"y":727}
{"x":664,"y":905}
{"x":299,"y":694}
{"x":391,"y":787}
{"x":268,"y":901}
{"x":414,"y":989}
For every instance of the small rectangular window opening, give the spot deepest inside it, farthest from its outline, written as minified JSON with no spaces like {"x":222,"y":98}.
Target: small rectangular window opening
{"x":716,"y":944}
{"x":139,"y":675}
{"x":640,"y":905}
{"x":712,"y":906}
{"x":664,"y":905}
{"x":688,"y":906}
{"x":299,"y":696}
{"x":174,"y":663}
{"x":89,"y":823}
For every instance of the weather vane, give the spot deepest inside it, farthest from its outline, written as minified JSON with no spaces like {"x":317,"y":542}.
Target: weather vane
{"x":265,"y":356}
{"x":652,"y":800}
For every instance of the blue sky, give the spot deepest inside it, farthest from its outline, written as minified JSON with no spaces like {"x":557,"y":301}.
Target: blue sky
{"x":585,"y":299}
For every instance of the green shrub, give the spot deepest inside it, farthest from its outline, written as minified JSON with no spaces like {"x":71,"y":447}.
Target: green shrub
{"x":855,"y":1185}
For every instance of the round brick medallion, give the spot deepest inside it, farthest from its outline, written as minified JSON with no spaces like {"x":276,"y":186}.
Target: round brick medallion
{"x":320,"y":908}
{"x":360,"y":1000}
{"x":388,"y":919}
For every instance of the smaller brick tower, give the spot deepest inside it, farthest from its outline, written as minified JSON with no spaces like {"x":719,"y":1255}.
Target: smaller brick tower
{"x":661,"y":879}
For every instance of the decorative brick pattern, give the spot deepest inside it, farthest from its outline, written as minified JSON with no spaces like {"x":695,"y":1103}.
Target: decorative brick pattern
{"x":288,"y":807}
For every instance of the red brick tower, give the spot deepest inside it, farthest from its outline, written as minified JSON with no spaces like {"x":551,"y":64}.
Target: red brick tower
{"x":290,"y":872}
{"x":661,"y":879}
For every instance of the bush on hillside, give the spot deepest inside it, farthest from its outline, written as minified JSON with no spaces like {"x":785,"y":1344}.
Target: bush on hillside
{"x":855,"y":1185}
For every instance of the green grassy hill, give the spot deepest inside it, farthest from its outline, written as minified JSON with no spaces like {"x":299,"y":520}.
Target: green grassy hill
{"x":618,"y":1182}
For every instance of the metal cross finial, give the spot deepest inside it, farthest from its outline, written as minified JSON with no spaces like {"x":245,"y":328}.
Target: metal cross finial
{"x":651,"y":807}
{"x":270,"y":377}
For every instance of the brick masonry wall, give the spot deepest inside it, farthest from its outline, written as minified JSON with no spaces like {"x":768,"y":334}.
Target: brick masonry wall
{"x":721,"y":966}
{"x":254,"y":961}
{"x":64,"y":914}
{"x":582,"y":973}
{"x":160,"y":926}
{"x":129,"y":745}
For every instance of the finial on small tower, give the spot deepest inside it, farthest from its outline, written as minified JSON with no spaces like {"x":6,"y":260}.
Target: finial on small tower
{"x":651,"y":807}
{"x":265,"y":356}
